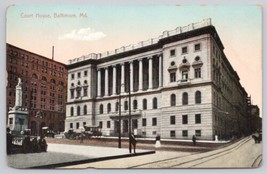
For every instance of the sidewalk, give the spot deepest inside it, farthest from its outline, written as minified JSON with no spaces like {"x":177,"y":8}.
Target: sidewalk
{"x":59,"y":155}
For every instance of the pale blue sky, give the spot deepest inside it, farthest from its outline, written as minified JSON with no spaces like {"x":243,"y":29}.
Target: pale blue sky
{"x":239,"y":27}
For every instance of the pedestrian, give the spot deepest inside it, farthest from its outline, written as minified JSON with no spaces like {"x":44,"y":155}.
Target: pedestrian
{"x":133,"y":141}
{"x":194,"y":140}
{"x":43,"y":144}
{"x":157,"y":144}
{"x":9,"y":141}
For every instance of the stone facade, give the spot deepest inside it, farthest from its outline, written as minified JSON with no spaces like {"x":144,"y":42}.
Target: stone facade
{"x":180,"y":85}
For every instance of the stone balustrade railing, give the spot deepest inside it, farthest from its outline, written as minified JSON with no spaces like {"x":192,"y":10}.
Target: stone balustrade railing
{"x":178,"y":30}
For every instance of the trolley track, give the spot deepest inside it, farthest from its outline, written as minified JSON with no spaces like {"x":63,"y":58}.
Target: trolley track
{"x":195,"y":159}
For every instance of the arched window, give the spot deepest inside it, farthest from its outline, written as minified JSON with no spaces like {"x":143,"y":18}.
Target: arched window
{"x":185,"y":98}
{"x":135,"y":104}
{"x":84,"y":110}
{"x":79,"y":83}
{"x":85,"y":82}
{"x":155,"y":103}
{"x":34,"y":76}
{"x":44,"y":79}
{"x":198,"y":97}
{"x":78,"y":110}
{"x":173,"y":100}
{"x":52,"y":81}
{"x":101,"y":109}
{"x":71,"y":111}
{"x":109,"y":107}
{"x":144,"y":104}
{"x":126,"y":105}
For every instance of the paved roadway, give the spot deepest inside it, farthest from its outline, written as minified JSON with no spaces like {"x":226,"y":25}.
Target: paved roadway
{"x":242,"y":154}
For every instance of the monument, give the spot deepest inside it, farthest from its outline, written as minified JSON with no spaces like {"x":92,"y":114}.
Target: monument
{"x":18,"y":116}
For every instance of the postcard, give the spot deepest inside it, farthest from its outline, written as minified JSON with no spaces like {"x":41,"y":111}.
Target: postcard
{"x":133,"y":86}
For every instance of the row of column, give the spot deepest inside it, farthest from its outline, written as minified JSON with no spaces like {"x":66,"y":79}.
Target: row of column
{"x":140,"y":87}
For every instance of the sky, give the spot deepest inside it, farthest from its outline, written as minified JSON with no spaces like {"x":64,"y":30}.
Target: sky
{"x":103,"y":27}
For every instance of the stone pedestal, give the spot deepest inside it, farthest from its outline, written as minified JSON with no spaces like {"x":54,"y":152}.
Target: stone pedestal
{"x":17,"y":121}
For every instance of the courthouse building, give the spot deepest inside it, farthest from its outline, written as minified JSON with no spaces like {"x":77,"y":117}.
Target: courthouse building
{"x":44,"y":84}
{"x":181,"y":85}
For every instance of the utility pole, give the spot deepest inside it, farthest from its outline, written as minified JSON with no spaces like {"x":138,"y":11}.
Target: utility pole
{"x":130,"y":119}
{"x":119,"y":120}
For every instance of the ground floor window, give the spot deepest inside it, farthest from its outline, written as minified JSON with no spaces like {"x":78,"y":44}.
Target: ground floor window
{"x":172,"y":134}
{"x":144,"y":122}
{"x":108,"y":124}
{"x":101,"y":124}
{"x":71,"y":125}
{"x":198,"y":133}
{"x":185,"y":133}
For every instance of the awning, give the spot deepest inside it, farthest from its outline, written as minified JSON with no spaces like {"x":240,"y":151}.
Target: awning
{"x":44,"y":127}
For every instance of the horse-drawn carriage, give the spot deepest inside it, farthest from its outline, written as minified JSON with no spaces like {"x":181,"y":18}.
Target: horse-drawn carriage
{"x":85,"y":132}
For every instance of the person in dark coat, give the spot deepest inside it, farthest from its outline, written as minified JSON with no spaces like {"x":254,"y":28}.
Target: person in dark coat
{"x":42,"y":144}
{"x":9,"y":140}
{"x":133,"y":141}
{"x":194,"y":140}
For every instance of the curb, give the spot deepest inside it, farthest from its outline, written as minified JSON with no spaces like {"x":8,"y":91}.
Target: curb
{"x":52,"y":166}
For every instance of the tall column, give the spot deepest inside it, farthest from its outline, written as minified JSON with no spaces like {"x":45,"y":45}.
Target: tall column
{"x":122,"y":78}
{"x":150,"y":85}
{"x":114,"y":80}
{"x":131,"y":76}
{"x":98,"y":82}
{"x":106,"y":81}
{"x":140,"y":85}
{"x":160,"y":71}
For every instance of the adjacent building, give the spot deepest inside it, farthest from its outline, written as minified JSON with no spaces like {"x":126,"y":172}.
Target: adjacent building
{"x":44,"y":86}
{"x":181,"y":84}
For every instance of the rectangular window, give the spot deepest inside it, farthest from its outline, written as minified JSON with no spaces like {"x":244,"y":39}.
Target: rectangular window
{"x":77,"y":125}
{"x":85,"y":92}
{"x":184,"y":75}
{"x":185,"y":133}
{"x":79,"y":75}
{"x":184,"y":50}
{"x":72,"y":76}
{"x":172,"y":52}
{"x":72,"y":94}
{"x":173,"y":77}
{"x":172,"y":134}
{"x":198,"y":133}
{"x":85,"y":73}
{"x":198,"y":118}
{"x":172,"y":119}
{"x":101,"y":124}
{"x":154,"y":121}
{"x":108,"y":124}
{"x":71,"y":125}
{"x":10,"y":120}
{"x":144,"y":122}
{"x":197,"y":72}
{"x":185,"y":119}
{"x":154,"y":132}
{"x":197,"y":47}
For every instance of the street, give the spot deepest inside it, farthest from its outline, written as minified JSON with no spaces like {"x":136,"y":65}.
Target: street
{"x":242,"y":154}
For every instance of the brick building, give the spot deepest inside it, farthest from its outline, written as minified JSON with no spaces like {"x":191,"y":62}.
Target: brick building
{"x":44,"y":83}
{"x":181,"y":85}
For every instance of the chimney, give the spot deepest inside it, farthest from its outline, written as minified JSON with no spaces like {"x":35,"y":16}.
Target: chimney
{"x":52,"y":52}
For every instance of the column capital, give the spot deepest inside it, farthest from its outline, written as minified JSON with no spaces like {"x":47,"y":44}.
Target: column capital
{"x":105,"y":68}
{"x":113,"y":66}
{"x":131,"y":61}
{"x":98,"y":69}
{"x":140,"y":59}
{"x":122,"y":64}
{"x":149,"y":57}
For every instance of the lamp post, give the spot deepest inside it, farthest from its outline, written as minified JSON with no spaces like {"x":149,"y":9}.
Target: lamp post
{"x":119,"y":107}
{"x":130,"y":118}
